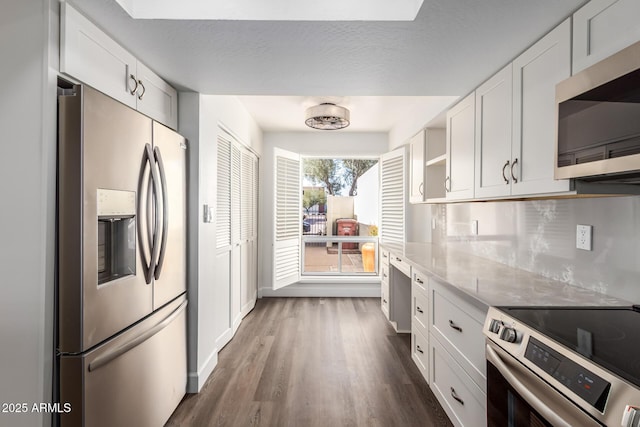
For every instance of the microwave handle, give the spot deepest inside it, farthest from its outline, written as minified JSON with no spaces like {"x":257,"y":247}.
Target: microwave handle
{"x":165,"y":208}
{"x":523,"y":390}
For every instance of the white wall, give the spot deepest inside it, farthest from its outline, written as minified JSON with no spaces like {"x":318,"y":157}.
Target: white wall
{"x":209,"y":294}
{"x":320,"y":143}
{"x":27,"y":188}
{"x":366,"y":203}
{"x":419,"y":119}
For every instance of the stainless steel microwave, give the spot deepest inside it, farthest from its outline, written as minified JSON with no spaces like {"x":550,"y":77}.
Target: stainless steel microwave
{"x":598,"y":121}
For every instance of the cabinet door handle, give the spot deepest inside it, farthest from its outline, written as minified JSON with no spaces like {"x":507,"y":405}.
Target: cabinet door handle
{"x":419,"y":310}
{"x":420,"y":188}
{"x":144,"y":89}
{"x":447,"y":188}
{"x":384,"y":275}
{"x":419,"y":349}
{"x":419,"y":280}
{"x":135,"y":88}
{"x":384,"y":301}
{"x":398,"y":259}
{"x":512,"y":175}
{"x":384,"y":255}
{"x":454,"y":326}
{"x":506,"y":180}
{"x":455,"y":396}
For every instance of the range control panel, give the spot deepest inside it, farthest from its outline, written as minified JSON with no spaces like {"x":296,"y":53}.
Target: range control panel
{"x":576,"y":378}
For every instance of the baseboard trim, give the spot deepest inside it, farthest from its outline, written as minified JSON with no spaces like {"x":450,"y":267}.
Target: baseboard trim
{"x":326,"y":290}
{"x":195,"y":380}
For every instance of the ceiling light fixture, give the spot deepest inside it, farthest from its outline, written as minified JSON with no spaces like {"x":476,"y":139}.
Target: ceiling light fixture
{"x":327,"y":117}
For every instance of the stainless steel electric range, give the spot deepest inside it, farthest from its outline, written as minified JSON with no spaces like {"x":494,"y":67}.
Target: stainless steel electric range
{"x":563,"y":366}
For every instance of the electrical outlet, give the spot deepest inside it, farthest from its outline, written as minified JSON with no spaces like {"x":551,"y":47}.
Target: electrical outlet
{"x":474,"y":227}
{"x":583,"y":237}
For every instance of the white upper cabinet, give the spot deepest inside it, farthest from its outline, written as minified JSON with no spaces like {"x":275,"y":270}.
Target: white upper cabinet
{"x":92,"y":57}
{"x":460,"y":149}
{"x":156,"y":98}
{"x":416,"y":155}
{"x":603,"y":27}
{"x":493,"y":136}
{"x":515,"y":121}
{"x":535,"y":75}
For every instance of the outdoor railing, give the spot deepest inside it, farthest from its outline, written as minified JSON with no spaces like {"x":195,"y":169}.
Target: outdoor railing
{"x":340,"y":255}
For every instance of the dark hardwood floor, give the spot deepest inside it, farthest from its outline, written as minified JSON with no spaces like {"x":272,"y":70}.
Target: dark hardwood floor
{"x":308,"y":362}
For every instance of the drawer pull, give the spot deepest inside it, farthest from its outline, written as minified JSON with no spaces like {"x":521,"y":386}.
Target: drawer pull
{"x":455,"y":396}
{"x":419,"y":280}
{"x":454,"y":326}
{"x":419,"y":310}
{"x":419,"y":349}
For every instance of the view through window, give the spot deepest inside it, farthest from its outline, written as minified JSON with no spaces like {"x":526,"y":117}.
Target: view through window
{"x":340,"y":216}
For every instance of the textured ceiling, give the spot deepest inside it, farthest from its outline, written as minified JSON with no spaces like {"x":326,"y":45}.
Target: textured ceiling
{"x":450,"y":48}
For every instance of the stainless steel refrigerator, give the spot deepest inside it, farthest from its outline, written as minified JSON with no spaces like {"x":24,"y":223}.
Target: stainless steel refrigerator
{"x":121,"y":335}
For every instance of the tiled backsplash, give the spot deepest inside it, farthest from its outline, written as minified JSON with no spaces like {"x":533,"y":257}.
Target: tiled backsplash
{"x":540,"y":236}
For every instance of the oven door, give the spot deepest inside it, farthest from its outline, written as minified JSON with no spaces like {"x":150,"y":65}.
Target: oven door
{"x":518,"y":397}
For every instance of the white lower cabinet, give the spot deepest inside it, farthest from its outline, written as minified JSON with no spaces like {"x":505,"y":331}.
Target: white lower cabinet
{"x":420,"y":352}
{"x":457,"y":364}
{"x":462,"y":399}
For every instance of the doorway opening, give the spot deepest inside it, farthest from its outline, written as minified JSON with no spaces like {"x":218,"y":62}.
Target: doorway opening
{"x":339,"y":216}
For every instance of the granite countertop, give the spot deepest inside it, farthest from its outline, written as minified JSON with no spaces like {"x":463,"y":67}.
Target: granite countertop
{"x":490,"y":283}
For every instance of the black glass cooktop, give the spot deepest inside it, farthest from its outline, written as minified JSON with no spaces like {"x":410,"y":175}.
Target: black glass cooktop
{"x":609,"y":336}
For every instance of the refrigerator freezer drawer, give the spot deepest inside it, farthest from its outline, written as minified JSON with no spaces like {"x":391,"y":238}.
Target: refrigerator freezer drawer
{"x":136,"y":379}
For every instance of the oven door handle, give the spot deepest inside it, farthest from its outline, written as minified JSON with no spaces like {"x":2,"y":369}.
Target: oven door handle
{"x":549,"y":414}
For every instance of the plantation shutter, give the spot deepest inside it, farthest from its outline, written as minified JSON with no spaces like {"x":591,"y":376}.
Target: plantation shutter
{"x":392,"y":185}
{"x":246,"y":196}
{"x":288,"y":222}
{"x":236,"y":220}
{"x":223,"y":203}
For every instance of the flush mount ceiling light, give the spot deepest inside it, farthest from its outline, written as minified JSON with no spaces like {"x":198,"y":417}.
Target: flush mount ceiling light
{"x":327,"y":117}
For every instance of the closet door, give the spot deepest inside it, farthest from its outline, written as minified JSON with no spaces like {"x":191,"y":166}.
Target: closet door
{"x":221,"y":297}
{"x":288,"y":218}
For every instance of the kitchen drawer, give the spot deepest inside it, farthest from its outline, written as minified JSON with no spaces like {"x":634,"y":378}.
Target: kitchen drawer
{"x":419,"y":280}
{"x":384,"y":257}
{"x":458,"y":325}
{"x":461,"y":398}
{"x":420,"y":351}
{"x":400,"y":264}
{"x":420,"y":310}
{"x":384,"y":274}
{"x":384,"y":298}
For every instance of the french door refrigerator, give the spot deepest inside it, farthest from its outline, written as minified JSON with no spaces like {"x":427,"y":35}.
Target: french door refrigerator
{"x":121,"y":292}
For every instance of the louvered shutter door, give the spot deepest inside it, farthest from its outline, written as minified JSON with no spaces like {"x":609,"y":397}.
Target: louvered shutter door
{"x":223,"y":204}
{"x":236,"y":220}
{"x":288,"y":225}
{"x":255,"y":188}
{"x":246,"y":196}
{"x":392,"y":184}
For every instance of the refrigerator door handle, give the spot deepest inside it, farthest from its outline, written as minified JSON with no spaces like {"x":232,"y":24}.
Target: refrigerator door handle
{"x":119,"y":351}
{"x":148,"y":266}
{"x":165,"y":209}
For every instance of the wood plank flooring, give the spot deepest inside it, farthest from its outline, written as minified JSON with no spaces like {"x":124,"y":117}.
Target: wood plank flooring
{"x":309,"y":362}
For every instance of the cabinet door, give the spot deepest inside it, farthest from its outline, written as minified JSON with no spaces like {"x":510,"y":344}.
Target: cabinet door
{"x":156,"y":98}
{"x":416,"y":156}
{"x":460,"y":149}
{"x":493,"y":135}
{"x":535,"y":75}
{"x":92,"y":57}
{"x":603,"y":27}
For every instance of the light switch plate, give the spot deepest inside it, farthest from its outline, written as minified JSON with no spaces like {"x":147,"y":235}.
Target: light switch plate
{"x":474,"y":227}
{"x":583,"y":237}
